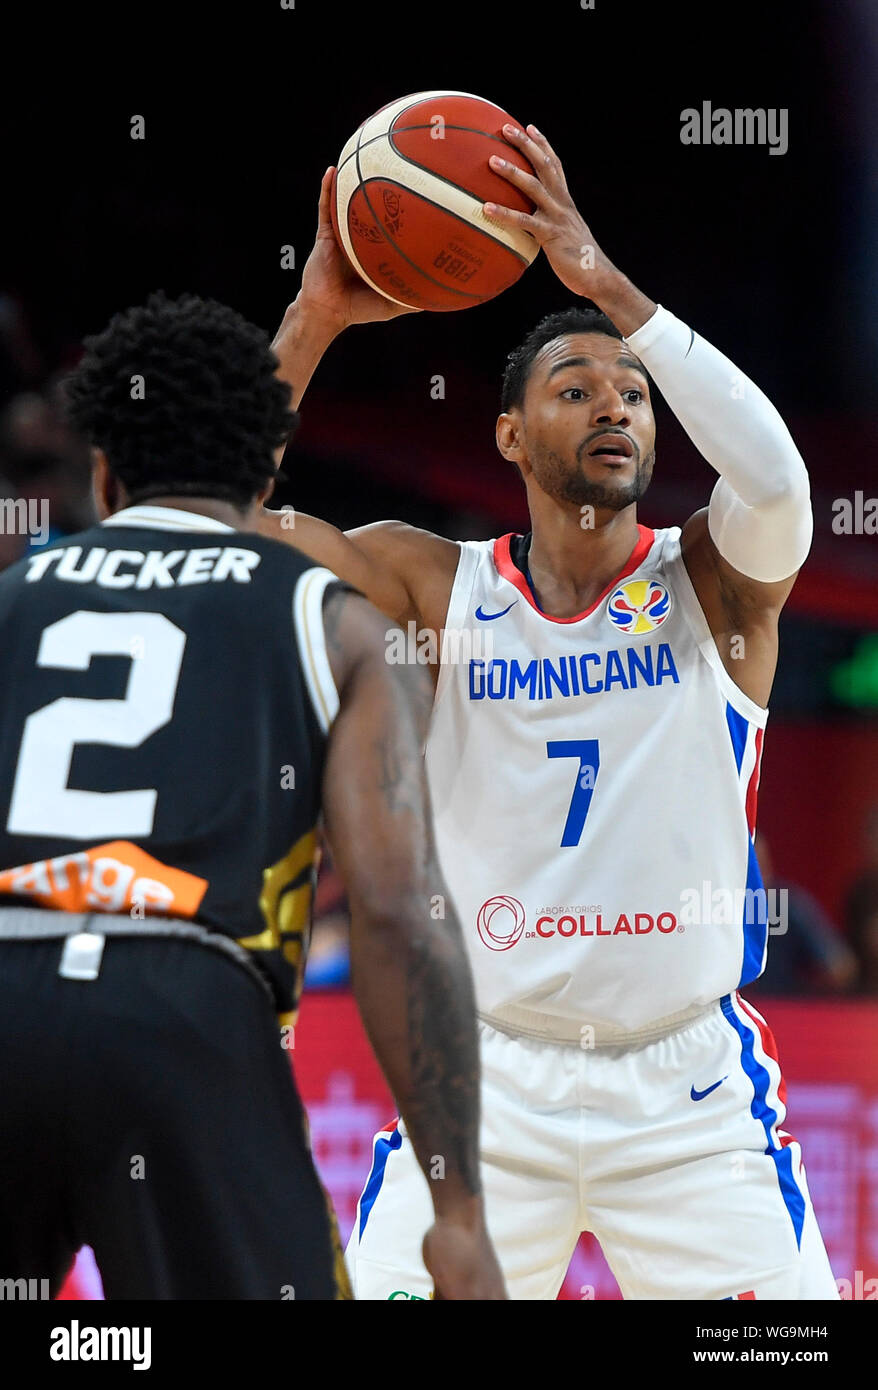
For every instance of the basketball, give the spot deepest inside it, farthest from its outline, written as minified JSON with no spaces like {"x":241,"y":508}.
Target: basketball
{"x":407,"y":202}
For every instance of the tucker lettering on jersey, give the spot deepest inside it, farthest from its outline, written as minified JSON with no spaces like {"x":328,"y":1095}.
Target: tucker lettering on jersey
{"x":587,"y":674}
{"x":138,"y":569}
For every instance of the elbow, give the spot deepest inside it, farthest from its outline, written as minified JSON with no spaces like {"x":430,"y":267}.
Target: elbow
{"x":767,"y":541}
{"x":791,"y":486}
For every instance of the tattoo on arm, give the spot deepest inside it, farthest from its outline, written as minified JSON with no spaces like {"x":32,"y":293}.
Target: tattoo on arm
{"x":392,"y":784}
{"x":444,"y":1054}
{"x":336,"y":598}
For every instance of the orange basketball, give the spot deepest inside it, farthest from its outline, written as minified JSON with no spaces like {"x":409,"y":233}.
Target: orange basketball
{"x":407,"y":202}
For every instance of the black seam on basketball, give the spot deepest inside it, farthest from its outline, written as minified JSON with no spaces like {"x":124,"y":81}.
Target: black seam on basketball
{"x":355,"y":153}
{"x":464,"y":294}
{"x":384,"y":134}
{"x":418,"y":98}
{"x":426,"y":168}
{"x":363,"y":183}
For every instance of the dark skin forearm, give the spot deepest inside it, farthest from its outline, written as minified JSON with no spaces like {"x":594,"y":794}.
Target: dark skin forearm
{"x":332,"y":297}
{"x":416,"y":1000}
{"x":410,"y":972}
{"x":445,"y":1061}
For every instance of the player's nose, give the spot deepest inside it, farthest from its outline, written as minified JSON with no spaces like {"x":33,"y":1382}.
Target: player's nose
{"x":611,"y":409}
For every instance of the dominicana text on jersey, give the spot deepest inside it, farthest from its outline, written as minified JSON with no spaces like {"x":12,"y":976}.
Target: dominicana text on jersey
{"x":594,"y":785}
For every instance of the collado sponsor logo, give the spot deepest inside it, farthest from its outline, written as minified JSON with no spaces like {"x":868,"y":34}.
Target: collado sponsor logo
{"x":502,"y":922}
{"x":598,"y":924}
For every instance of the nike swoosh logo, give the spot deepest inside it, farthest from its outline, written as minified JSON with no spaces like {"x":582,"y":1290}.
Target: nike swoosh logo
{"x":699,"y":1095}
{"x":489,"y":617}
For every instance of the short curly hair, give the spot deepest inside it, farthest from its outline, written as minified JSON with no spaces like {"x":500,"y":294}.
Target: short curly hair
{"x":210,"y":411}
{"x":580,"y":319}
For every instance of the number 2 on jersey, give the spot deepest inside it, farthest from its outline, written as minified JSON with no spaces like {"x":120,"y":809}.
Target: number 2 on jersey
{"x":42,"y":802}
{"x":586,"y":751}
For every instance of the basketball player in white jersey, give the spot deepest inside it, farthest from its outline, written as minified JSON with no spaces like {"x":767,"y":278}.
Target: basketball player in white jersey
{"x":594,"y":792}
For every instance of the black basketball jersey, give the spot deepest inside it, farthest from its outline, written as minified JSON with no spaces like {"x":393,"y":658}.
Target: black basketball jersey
{"x":164,"y":707}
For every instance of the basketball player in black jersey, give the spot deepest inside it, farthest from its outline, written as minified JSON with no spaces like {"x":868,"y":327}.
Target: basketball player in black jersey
{"x":182,"y":700}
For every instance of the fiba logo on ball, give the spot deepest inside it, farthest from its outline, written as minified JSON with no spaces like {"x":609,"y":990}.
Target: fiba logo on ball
{"x":639,"y":606}
{"x":392,"y":209}
{"x":500,"y":922}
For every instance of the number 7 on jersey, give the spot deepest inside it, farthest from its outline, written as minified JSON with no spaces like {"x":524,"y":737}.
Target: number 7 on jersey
{"x":586,"y":752}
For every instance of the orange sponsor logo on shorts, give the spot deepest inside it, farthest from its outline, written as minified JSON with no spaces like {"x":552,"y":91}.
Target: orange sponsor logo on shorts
{"x":115,"y":877}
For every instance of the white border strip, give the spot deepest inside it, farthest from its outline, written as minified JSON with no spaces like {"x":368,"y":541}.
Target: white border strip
{"x":311,"y":642}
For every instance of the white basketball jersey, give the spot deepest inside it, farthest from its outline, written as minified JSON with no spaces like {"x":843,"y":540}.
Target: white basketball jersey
{"x":594,"y":789}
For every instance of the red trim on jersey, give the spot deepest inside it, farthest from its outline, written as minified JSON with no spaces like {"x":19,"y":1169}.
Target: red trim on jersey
{"x":748,"y":1294}
{"x":769,"y":1045}
{"x":509,"y":570}
{"x":753,"y":785}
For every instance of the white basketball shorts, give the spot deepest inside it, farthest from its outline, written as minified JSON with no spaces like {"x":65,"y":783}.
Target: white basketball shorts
{"x":672,"y":1153}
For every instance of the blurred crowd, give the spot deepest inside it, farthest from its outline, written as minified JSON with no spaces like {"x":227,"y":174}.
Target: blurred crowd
{"x":46,"y":466}
{"x":42,"y":462}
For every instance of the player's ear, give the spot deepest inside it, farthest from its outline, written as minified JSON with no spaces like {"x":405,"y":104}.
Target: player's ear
{"x":106,"y":488}
{"x":509,"y":435}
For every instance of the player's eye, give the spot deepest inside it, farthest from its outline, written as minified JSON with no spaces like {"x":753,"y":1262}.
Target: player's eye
{"x":574,"y":393}
{"x":635,"y":391}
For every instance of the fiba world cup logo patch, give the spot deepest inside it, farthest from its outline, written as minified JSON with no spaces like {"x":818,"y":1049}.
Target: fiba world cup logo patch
{"x":639,"y":606}
{"x":500,"y":922}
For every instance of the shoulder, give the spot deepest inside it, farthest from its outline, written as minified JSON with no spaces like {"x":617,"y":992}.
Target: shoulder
{"x":422,"y":562}
{"x":401,"y":544}
{"x":666,"y":547}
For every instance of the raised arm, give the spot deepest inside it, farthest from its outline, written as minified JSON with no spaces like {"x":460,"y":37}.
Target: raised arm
{"x":410,"y":972}
{"x":331,"y":299}
{"x":406,"y":572}
{"x":744,"y":551}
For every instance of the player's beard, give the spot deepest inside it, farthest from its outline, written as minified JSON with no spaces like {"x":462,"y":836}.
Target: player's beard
{"x":566,"y":484}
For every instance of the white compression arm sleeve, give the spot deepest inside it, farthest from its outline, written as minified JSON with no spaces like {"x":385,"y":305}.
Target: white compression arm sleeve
{"x":760,"y":510}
